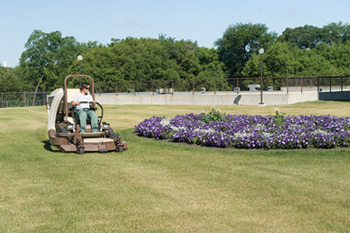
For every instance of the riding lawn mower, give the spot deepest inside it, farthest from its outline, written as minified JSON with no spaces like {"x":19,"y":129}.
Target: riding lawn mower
{"x":63,"y":124}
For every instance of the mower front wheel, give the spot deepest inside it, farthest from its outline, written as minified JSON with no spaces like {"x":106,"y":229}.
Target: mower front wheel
{"x":120,"y":148}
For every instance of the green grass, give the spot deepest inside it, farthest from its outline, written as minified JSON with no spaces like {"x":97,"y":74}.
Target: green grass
{"x":157,"y":186}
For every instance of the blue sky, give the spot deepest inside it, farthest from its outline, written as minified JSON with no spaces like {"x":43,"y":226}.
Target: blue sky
{"x":203,"y":21}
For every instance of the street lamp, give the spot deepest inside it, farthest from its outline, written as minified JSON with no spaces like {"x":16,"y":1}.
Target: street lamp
{"x":80,"y":58}
{"x":261,"y":52}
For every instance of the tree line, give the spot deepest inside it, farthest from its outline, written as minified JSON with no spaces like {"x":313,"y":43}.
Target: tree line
{"x":301,"y":51}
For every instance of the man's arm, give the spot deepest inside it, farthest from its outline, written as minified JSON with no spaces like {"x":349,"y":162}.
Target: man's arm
{"x":92,"y":100}
{"x":75,"y":103}
{"x":75,"y":100}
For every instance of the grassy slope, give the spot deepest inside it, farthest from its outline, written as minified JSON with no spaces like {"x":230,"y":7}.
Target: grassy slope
{"x":159,"y":186}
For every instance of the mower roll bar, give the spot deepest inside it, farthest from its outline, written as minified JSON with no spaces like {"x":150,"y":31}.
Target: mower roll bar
{"x":65,"y":89}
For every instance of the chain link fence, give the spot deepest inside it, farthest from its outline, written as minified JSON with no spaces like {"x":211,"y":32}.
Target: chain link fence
{"x":22,"y":99}
{"x":232,"y":85}
{"x":193,"y":86}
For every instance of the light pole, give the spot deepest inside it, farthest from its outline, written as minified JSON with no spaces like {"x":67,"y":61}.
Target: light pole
{"x":261,"y":52}
{"x":80,"y":58}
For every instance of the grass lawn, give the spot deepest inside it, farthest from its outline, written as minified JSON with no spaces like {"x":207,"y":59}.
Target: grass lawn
{"x":157,"y":186}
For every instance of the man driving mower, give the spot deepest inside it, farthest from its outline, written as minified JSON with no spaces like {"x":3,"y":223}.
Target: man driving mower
{"x":82,"y":101}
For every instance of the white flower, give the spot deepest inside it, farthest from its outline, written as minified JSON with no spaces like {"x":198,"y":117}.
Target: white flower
{"x":177,"y":128}
{"x":259,"y":126}
{"x":319,"y":131}
{"x":241,"y":135}
{"x":165,"y":122}
{"x":204,"y":130}
{"x":267,"y":134}
{"x":277,"y":111}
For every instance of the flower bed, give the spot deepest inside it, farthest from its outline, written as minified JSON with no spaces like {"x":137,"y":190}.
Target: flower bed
{"x":250,"y":131}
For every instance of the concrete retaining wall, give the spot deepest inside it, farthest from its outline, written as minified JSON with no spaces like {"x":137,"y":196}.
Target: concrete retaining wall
{"x":269,"y":98}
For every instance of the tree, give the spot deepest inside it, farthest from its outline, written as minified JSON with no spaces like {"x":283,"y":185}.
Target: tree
{"x":212,"y":70}
{"x":308,"y":36}
{"x":338,"y":55}
{"x":304,"y":37}
{"x":335,"y":33}
{"x":48,"y":57}
{"x":284,"y":59}
{"x":149,"y":60}
{"x":240,"y":42}
{"x":9,"y":80}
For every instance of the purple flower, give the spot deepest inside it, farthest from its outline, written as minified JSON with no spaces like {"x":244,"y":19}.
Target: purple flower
{"x":248,"y":131}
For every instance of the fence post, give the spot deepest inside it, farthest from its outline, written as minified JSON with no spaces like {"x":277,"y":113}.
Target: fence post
{"x":24,"y":99}
{"x":301,"y":85}
{"x":192,"y":86}
{"x":134,"y":87}
{"x":2,"y":100}
{"x":152,"y":87}
{"x":330,"y":84}
{"x":287,"y":85}
{"x":341,"y":83}
{"x":318,"y":85}
{"x":215,"y":86}
{"x":44,"y":99}
{"x":116,"y":87}
{"x":311,"y":83}
{"x":172,"y":86}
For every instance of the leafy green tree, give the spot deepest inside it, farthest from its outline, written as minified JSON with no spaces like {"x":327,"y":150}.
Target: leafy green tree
{"x":286,"y":60}
{"x":240,"y":42}
{"x":128,"y":59}
{"x":9,"y":80}
{"x":163,"y":63}
{"x":47,"y":58}
{"x":184,"y":56}
{"x":335,"y":33}
{"x":212,"y":70}
{"x":308,"y":36}
{"x":338,"y":55}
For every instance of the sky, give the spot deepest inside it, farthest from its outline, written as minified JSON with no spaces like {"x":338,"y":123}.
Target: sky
{"x":203,"y":21}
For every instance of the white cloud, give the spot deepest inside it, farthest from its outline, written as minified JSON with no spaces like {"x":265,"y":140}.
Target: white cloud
{"x":131,"y":23}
